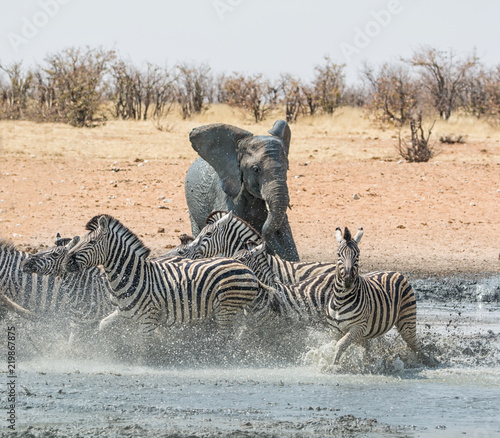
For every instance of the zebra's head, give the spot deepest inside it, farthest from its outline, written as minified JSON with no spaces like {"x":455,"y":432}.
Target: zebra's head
{"x":50,"y":261}
{"x":255,"y":257}
{"x":223,"y":235}
{"x":91,"y":249}
{"x":106,"y":243}
{"x":184,"y":250}
{"x":348,"y":256}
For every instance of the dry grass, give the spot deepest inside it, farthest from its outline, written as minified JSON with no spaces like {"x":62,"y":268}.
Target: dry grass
{"x":348,"y":134}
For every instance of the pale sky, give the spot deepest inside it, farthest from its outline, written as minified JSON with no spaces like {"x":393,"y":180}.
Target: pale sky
{"x":253,"y":36}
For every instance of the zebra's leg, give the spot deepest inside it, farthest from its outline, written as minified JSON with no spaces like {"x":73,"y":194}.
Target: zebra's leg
{"x":408,"y":331}
{"x":407,"y":328}
{"x":352,"y":335}
{"x":106,"y":324}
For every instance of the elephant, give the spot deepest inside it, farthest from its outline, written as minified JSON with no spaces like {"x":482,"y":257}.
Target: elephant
{"x":246,"y":174}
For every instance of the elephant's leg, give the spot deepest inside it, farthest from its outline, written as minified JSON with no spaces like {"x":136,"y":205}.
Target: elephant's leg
{"x":203,"y":194}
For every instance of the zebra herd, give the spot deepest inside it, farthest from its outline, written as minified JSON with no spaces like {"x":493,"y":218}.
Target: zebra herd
{"x":223,"y":272}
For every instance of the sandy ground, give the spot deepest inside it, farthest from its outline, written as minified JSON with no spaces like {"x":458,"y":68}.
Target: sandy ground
{"x":441,"y":217}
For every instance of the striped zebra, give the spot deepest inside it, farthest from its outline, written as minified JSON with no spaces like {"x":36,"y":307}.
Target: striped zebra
{"x":64,"y":299}
{"x":306,"y":300}
{"x":367,"y":306}
{"x":225,"y":234}
{"x":162,"y":291}
{"x":89,"y":290}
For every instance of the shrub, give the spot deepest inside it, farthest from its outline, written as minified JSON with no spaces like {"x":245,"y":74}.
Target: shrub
{"x":74,"y":81}
{"x":252,"y":93}
{"x":418,"y":149}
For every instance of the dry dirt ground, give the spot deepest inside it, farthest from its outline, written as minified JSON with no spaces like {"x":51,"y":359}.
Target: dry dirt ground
{"x":435,"y":218}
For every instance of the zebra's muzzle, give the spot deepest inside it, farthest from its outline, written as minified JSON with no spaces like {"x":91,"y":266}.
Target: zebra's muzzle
{"x":28,"y":266}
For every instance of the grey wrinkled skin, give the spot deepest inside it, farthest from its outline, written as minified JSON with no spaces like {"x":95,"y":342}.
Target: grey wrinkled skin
{"x":245,"y":174}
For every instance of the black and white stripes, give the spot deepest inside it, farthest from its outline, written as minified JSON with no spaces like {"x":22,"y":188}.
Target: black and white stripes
{"x":367,"y":306}
{"x":161,"y":291}
{"x":81,"y":299}
{"x":225,"y":234}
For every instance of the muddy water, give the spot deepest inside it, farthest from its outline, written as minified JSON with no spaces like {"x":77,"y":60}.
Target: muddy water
{"x":269,"y":381}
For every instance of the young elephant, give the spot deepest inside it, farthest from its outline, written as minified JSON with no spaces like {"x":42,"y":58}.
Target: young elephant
{"x":246,"y":174}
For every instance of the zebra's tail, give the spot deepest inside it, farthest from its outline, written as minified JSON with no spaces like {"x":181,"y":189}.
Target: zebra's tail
{"x":8,"y":304}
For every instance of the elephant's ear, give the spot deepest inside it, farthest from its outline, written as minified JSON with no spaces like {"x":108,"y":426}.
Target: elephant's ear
{"x":282,"y":130}
{"x":217,"y":145}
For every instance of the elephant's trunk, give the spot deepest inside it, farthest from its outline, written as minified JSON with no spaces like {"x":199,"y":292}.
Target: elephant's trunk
{"x":277,"y":200}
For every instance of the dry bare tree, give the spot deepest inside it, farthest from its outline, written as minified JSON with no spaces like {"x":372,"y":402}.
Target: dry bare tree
{"x":418,"y":149}
{"x":328,"y":85}
{"x":15,"y":94}
{"x":393,"y":92}
{"x":292,"y":96}
{"x":481,"y":94}
{"x":443,"y":75}
{"x":311,"y":99}
{"x":193,"y":87}
{"x":220,"y":93}
{"x":137,"y":94}
{"x":126,"y":93}
{"x":252,"y":93}
{"x":75,"y":78}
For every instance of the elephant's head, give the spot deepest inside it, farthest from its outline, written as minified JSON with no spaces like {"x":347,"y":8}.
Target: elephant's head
{"x":258,"y":164}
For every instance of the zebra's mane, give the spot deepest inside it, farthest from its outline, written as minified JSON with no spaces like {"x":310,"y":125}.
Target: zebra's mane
{"x":7,"y":246}
{"x":216,"y":213}
{"x":132,"y":238}
{"x":347,"y":235}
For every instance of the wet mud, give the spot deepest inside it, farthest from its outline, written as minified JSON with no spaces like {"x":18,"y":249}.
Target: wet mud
{"x":269,"y":379}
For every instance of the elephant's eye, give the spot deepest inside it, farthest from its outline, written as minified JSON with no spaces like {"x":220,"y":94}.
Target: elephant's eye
{"x":256,"y":168}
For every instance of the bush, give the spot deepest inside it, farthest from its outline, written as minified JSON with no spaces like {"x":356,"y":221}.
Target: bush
{"x":72,"y":86}
{"x":418,"y":149}
{"x":14,"y":95}
{"x":193,"y":88}
{"x":251,"y":93}
{"x":394,"y":93}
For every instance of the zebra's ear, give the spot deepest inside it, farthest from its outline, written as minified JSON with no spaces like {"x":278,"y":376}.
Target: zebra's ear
{"x":227,"y":217}
{"x":250,"y":244}
{"x":73,"y":242}
{"x":338,"y":234}
{"x":358,"y":235}
{"x":104,"y":223}
{"x":259,"y":249}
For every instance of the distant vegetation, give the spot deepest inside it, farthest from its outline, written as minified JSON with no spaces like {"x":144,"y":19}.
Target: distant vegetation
{"x":84,"y":87}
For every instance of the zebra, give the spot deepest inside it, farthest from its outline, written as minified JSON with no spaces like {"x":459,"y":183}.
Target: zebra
{"x":183,"y":250}
{"x":36,"y":293}
{"x":367,"y":306}
{"x":306,"y":300}
{"x":88,"y":290}
{"x":225,"y":234}
{"x":162,"y":291}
